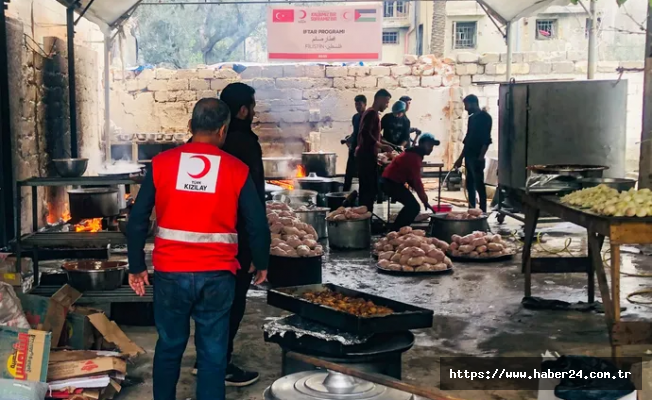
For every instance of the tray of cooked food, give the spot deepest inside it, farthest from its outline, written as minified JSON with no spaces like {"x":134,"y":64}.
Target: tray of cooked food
{"x":349,"y":310}
{"x":479,"y":247}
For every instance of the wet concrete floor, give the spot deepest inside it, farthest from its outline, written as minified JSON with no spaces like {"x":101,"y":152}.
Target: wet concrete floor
{"x":477,"y":310}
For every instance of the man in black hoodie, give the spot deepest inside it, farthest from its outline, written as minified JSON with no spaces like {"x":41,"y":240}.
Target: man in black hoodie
{"x":242,"y":143}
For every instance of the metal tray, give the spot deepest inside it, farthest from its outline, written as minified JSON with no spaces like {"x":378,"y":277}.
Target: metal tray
{"x":407,"y":273}
{"x":482,"y":260}
{"x":405,"y":316}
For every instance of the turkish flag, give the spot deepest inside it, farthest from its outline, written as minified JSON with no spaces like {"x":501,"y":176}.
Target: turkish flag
{"x":279,"y":15}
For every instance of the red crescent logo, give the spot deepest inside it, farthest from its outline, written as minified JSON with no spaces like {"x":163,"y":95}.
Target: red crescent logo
{"x":303,"y":14}
{"x":207,"y":167}
{"x":345,"y":15}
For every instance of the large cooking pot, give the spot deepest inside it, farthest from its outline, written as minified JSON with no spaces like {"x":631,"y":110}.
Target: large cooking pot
{"x":322,"y":164}
{"x":95,"y":275}
{"x":280,"y":167}
{"x":443,"y":228}
{"x":316,"y":183}
{"x":93,"y":202}
{"x":334,"y":200}
{"x":295,"y":198}
{"x":315,"y":217}
{"x":349,"y":235}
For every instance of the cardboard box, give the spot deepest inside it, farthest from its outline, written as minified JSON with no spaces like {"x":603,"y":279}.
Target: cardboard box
{"x":72,"y":369}
{"x":49,"y":314}
{"x":24,"y":354}
{"x":113,"y":334}
{"x":21,"y":281}
{"x":79,"y":333}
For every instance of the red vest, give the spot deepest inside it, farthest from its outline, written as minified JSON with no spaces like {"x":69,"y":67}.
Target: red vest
{"x":197,"y":190}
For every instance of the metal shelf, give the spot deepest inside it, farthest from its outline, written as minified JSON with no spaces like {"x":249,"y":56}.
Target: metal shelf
{"x":78,"y":181}
{"x":123,"y":294}
{"x":73,"y":239}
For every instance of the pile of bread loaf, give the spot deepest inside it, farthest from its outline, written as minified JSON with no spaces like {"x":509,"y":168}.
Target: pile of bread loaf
{"x":478,"y":245}
{"x":349,"y":214}
{"x":387,"y":157}
{"x":290,"y":236}
{"x":471,"y":213}
{"x":410,"y":251}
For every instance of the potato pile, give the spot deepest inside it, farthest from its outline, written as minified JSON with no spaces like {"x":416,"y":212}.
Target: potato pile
{"x":387,"y":157}
{"x":410,"y":251}
{"x":608,"y":201}
{"x":478,"y":245}
{"x":472,"y":213}
{"x":419,"y":218}
{"x":290,"y":236}
{"x":349,"y":214}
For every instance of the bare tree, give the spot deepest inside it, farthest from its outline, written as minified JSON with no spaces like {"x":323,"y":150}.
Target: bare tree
{"x":437,"y":39}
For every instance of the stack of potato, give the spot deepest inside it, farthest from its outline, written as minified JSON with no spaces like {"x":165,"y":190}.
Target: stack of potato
{"x":478,"y":245}
{"x":410,"y":251}
{"x":290,"y":236}
{"x":349,"y":214}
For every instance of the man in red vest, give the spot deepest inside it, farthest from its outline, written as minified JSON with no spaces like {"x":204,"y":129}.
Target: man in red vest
{"x":197,"y":190}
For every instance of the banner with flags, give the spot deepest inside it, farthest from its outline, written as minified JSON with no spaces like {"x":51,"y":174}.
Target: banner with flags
{"x":338,"y":33}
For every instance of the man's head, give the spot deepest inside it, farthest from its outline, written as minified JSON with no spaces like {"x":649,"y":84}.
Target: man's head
{"x":427,"y":142}
{"x":471,"y":104}
{"x":381,"y":100}
{"x":360,"y":103}
{"x":399,"y":108}
{"x":210,"y":121}
{"x":240,"y":99}
{"x":407,"y":100}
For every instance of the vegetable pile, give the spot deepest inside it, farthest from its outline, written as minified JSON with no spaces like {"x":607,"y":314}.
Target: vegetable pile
{"x":478,"y":245}
{"x":419,"y":218}
{"x":349,"y":214}
{"x":387,"y":157}
{"x":472,"y":213}
{"x":608,"y":201}
{"x":410,"y":251}
{"x":290,"y":236}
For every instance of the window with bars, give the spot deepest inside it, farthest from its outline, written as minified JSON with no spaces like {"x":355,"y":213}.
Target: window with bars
{"x":390,"y":37}
{"x":396,"y":9}
{"x":465,"y":35}
{"x":389,"y":9}
{"x":546,"y":29}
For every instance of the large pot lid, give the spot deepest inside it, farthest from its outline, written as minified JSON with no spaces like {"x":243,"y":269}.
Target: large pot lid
{"x":329,"y":386}
{"x":313,"y":178}
{"x":318,"y":153}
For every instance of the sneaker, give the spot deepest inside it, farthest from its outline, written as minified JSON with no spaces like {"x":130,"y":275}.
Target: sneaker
{"x":194,"y":369}
{"x":236,"y":377}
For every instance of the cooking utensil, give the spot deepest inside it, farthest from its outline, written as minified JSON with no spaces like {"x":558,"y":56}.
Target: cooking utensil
{"x":295,"y":198}
{"x":349,"y":235}
{"x":407,"y":273}
{"x":93,"y":203}
{"x":70,"y":167}
{"x":280,"y":167}
{"x":294,"y":271}
{"x":95,"y":275}
{"x":321,"y":163}
{"x":619,"y":184}
{"x":316,"y":183}
{"x":404,"y":317}
{"x":317,"y":218}
{"x":443,"y":228}
{"x":568,"y":169}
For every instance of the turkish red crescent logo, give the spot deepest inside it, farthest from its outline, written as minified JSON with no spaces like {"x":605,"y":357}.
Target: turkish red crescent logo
{"x":207,"y":167}
{"x":302,"y":15}
{"x":281,"y":15}
{"x":89,"y":366}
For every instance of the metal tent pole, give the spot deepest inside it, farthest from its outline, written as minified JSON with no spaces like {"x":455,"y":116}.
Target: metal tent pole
{"x":509,"y":50}
{"x":7,"y":188}
{"x":645,"y":160}
{"x":592,"y":40}
{"x":107,"y":96}
{"x":72,"y":100}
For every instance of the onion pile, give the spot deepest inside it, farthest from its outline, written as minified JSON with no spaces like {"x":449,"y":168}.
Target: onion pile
{"x":410,"y":251}
{"x":478,"y":245}
{"x":608,"y":201}
{"x":349,"y":214}
{"x":472,"y":213}
{"x":290,"y":236}
{"x":387,"y":157}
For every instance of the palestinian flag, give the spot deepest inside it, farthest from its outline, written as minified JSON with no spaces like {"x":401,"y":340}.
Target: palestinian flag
{"x":365,"y":15}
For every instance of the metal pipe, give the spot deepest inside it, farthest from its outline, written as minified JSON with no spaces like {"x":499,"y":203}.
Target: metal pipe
{"x":72,"y":100}
{"x":593,"y":18}
{"x":107,"y":96}
{"x":90,"y":3}
{"x":8,"y":212}
{"x":509,"y":51}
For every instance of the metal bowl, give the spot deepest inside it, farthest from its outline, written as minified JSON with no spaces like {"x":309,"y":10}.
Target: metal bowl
{"x":70,"y":167}
{"x":443,"y":228}
{"x":95,"y":274}
{"x":619,"y":184}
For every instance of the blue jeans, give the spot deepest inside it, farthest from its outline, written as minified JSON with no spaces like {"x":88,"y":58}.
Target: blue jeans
{"x":207,"y":298}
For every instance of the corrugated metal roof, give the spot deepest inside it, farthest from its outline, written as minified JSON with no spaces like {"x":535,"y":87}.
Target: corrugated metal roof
{"x":511,"y":10}
{"x":107,"y":14}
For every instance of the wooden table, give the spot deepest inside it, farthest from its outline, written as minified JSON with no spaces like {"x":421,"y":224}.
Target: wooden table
{"x":620,"y":230}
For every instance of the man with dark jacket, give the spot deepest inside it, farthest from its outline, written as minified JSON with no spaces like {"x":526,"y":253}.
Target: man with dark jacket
{"x":406,"y":169}
{"x":352,"y":141}
{"x":242,"y":143}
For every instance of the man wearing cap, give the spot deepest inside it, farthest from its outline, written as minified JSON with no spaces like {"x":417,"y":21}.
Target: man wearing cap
{"x":408,"y":101}
{"x":406,"y":169}
{"x":396,"y":126}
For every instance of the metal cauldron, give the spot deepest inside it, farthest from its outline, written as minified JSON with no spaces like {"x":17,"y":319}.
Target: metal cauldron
{"x":93,"y":202}
{"x":349,"y":235}
{"x":322,"y":164}
{"x":95,"y":275}
{"x":443,"y":228}
{"x":315,"y":217}
{"x":295,"y":198}
{"x":619,"y":184}
{"x":70,"y":167}
{"x":280,"y":167}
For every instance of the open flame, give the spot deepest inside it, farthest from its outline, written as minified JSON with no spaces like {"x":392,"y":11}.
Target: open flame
{"x":89,"y":225}
{"x":288,"y":184}
{"x":301,"y":171}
